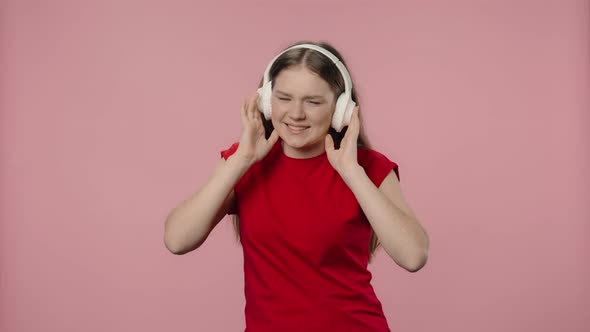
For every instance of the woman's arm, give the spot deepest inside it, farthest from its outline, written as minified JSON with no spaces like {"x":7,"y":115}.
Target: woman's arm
{"x":393,"y":221}
{"x":188,"y":225}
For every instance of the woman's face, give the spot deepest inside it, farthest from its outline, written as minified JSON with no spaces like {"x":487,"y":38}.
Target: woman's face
{"x":302,"y":108}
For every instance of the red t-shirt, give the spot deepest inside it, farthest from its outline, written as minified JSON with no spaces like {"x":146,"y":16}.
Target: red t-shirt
{"x":306,"y":245}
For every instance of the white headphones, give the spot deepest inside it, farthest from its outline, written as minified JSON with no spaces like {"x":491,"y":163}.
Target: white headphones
{"x":344,"y":104}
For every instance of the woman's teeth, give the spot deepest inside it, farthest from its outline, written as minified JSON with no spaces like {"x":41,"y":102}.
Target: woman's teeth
{"x":296,"y":127}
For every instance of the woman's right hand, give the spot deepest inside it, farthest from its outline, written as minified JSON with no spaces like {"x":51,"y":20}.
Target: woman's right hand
{"x":253,"y":144}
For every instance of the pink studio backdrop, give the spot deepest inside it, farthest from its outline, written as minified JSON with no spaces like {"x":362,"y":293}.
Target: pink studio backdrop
{"x":114,"y":111}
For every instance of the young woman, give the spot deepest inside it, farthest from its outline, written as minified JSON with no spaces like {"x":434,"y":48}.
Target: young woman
{"x":312,"y":201}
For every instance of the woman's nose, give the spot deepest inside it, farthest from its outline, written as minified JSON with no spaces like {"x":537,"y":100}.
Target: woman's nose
{"x":297,"y":111}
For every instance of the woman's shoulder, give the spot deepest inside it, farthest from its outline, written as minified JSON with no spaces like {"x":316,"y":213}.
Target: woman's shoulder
{"x":367,"y":154}
{"x":376,"y":164}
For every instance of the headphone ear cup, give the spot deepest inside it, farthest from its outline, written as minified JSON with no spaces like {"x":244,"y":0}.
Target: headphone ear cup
{"x":339,"y":113}
{"x":264,"y":95}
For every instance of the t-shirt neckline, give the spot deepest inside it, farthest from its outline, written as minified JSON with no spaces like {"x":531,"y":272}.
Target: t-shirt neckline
{"x":300,"y":160}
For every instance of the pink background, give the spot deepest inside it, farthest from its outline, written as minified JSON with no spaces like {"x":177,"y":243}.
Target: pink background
{"x":114,"y":111}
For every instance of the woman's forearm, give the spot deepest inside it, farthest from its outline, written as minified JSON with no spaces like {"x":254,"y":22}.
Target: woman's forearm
{"x":188,"y":225}
{"x":400,"y":234}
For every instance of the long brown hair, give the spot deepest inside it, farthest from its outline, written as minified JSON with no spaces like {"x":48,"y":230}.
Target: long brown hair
{"x":327,"y":70}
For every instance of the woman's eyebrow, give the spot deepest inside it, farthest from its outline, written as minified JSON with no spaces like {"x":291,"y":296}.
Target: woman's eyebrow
{"x":283,"y":93}
{"x":305,"y":97}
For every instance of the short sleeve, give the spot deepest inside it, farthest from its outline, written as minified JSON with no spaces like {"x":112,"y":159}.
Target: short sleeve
{"x":376,"y":165}
{"x":226,"y":154}
{"x":231,"y":150}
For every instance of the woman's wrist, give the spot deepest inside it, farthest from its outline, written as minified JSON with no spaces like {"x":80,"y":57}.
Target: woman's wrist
{"x":239,"y":163}
{"x":352,"y":172}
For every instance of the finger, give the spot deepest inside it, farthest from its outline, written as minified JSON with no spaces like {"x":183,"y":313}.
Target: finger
{"x":355,"y":116}
{"x":352,"y":132}
{"x":253,"y":106}
{"x":257,"y":114}
{"x":354,"y":127}
{"x":329,"y":144}
{"x":274,"y":137}
{"x":243,"y":114}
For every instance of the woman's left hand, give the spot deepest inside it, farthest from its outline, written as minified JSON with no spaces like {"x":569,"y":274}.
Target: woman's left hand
{"x":344,"y":159}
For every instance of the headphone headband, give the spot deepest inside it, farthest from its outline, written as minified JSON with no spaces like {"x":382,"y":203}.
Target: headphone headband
{"x":341,"y":67}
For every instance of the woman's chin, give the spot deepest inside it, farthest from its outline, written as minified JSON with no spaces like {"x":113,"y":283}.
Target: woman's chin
{"x":303,"y":146}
